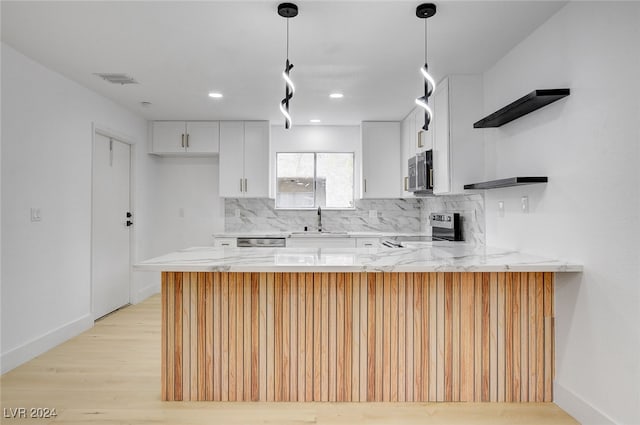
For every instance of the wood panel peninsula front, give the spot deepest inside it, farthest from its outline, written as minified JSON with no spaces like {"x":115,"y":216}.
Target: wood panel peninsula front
{"x":448,"y":322}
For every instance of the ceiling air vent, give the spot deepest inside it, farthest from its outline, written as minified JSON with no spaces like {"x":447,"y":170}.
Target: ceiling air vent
{"x":117,"y":78}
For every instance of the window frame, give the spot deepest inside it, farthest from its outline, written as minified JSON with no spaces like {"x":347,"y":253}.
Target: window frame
{"x":315,"y":176}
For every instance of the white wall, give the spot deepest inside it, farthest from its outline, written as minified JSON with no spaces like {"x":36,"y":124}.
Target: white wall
{"x":46,"y":163}
{"x":315,"y":138}
{"x":186,"y":205}
{"x":589,"y":212}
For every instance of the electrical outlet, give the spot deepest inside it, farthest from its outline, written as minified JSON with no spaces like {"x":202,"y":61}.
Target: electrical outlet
{"x":500,"y":208}
{"x":35,"y":214}
{"x":524,"y":204}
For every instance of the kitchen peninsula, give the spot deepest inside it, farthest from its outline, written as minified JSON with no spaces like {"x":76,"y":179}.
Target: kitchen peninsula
{"x":445,"y":322}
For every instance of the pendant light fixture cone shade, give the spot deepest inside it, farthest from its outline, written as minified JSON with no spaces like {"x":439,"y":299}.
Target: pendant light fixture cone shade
{"x":287,"y":10}
{"x":424,"y":11}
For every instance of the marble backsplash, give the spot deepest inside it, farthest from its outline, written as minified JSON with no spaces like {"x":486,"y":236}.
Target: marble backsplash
{"x":390,"y":215}
{"x":259,"y":215}
{"x":470,"y":207}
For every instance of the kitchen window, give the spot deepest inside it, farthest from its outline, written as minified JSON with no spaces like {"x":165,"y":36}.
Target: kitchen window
{"x":308,"y":180}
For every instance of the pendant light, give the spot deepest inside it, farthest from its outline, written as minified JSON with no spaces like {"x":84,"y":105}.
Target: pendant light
{"x":424,"y":11}
{"x":287,"y":10}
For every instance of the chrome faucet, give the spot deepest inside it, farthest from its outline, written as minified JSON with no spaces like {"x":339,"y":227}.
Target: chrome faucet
{"x":319,"y":219}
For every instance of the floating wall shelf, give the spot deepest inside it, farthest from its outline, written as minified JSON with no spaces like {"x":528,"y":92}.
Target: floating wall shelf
{"x":513,"y":181}
{"x":529,"y":103}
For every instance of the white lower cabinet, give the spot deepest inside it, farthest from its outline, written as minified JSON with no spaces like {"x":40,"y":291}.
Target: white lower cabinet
{"x":225,"y":242}
{"x":367,"y":242}
{"x":321,"y":242}
{"x":244,"y":159}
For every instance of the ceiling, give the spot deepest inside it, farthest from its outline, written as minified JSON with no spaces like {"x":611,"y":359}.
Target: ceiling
{"x":180,"y":51}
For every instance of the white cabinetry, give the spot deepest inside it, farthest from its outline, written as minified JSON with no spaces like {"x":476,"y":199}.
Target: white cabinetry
{"x":367,"y":242}
{"x":225,"y":242}
{"x":244,"y":159}
{"x":321,"y":242}
{"x":193,"y":137}
{"x":381,"y":173}
{"x":413,"y":140}
{"x":458,"y":149}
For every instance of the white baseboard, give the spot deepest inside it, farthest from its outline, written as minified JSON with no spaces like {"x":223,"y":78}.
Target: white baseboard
{"x":578,"y":407}
{"x":145,"y":293}
{"x":22,"y":354}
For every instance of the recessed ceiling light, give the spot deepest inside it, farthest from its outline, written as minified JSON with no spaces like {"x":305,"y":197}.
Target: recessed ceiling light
{"x":315,"y":121}
{"x":215,"y":95}
{"x":336,"y":95}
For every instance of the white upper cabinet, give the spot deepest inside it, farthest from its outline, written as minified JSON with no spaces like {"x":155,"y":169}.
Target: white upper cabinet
{"x":244,"y":159}
{"x":193,"y":137}
{"x":413,"y":140}
{"x":256,"y":159}
{"x":458,"y":149}
{"x":381,"y":171}
{"x":203,"y":137}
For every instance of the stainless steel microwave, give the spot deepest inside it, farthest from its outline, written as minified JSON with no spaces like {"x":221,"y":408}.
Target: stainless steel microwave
{"x":421,"y":173}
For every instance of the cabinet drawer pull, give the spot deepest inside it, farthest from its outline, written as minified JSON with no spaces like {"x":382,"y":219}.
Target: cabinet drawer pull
{"x":182,"y":144}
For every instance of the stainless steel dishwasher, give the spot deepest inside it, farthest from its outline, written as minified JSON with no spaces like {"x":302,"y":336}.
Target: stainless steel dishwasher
{"x":261,"y":243}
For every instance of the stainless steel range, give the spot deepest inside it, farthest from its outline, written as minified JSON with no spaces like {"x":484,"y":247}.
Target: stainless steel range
{"x":445,"y":227}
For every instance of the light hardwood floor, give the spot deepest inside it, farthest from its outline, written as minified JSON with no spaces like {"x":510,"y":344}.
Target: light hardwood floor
{"x":111,"y":375}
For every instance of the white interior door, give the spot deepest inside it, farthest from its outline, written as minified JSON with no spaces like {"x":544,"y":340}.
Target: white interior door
{"x":110,"y":233}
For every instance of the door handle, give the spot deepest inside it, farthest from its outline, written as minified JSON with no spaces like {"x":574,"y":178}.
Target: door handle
{"x":245,"y":185}
{"x":187,"y":140}
{"x":182,"y":144}
{"x":365,"y":185}
{"x":241,"y":190}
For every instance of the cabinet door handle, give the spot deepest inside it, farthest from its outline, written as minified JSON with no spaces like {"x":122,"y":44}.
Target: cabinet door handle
{"x":245,"y":185}
{"x":241,"y":185}
{"x":365,"y":185}
{"x":182,"y":144}
{"x":406,"y":184}
{"x":187,"y":140}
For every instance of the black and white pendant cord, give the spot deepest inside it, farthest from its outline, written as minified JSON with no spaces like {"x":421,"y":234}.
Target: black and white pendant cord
{"x":287,"y":10}
{"x":425,"y":11}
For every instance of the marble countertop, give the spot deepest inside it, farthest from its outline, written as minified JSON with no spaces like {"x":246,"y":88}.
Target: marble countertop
{"x":435,"y":256}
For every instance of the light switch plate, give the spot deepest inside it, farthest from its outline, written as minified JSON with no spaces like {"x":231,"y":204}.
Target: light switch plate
{"x":524,"y":204}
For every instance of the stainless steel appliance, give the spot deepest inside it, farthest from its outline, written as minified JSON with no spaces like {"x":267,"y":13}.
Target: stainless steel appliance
{"x":261,"y":243}
{"x":421,"y":173}
{"x":445,"y":226}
